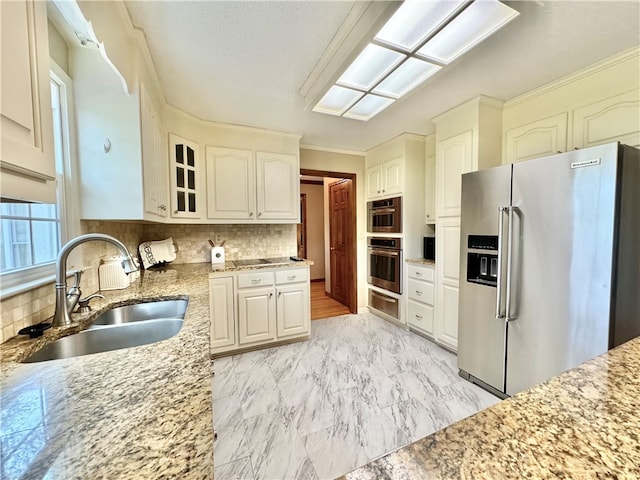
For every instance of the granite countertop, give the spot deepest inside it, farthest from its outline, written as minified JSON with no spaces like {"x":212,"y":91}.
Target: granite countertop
{"x":283,"y":262}
{"x":584,"y":423}
{"x":143,"y":412}
{"x":420,"y":261}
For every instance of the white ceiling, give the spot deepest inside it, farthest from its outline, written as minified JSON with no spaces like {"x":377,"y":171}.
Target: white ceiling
{"x":243,"y":62}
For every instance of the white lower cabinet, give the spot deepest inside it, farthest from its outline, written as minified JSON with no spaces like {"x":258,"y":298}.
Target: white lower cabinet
{"x":420,"y":290}
{"x":256,"y":315}
{"x":258,"y":308}
{"x":223,"y":325}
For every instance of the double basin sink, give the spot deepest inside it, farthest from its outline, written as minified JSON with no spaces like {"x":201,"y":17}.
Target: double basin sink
{"x":121,"y":327}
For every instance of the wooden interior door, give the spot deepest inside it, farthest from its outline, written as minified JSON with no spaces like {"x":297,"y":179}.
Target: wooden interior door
{"x":340,"y":232}
{"x":301,"y":228}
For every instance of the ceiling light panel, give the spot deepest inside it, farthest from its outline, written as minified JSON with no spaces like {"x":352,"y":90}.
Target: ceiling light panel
{"x":368,"y":107}
{"x":406,"y":77}
{"x":416,"y":20}
{"x":478,"y":21}
{"x":370,"y":67}
{"x":337,"y":100}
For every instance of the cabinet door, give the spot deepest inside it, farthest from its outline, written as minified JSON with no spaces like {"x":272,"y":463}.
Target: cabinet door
{"x":230,"y":184}
{"x":453,"y":158}
{"x":153,"y":157}
{"x":447,"y":327}
{"x":185,"y":171}
{"x":223,"y":331}
{"x":278,"y":179}
{"x":447,"y":281}
{"x":536,"y":139}
{"x":293,"y":310}
{"x":612,"y":119}
{"x":26,"y":124}
{"x":256,"y":315}
{"x":374,"y":181}
{"x":430,"y":190}
{"x":392,"y":175}
{"x":420,"y":317}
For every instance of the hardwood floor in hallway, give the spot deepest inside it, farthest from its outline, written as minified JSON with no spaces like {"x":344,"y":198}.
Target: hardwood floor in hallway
{"x":323,"y":306}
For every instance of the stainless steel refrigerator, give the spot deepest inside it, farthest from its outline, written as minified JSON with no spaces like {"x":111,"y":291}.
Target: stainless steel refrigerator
{"x":549,"y":265}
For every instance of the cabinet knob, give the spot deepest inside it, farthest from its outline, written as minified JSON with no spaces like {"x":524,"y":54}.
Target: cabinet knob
{"x":162,"y":207}
{"x":256,"y":280}
{"x":271,"y":295}
{"x":418,"y":292}
{"x":418,"y":317}
{"x":291,"y":277}
{"x":259,"y":214}
{"x":279,"y":293}
{"x":383,"y":191}
{"x":251,"y":214}
{"x":378,"y":191}
{"x":418,"y":274}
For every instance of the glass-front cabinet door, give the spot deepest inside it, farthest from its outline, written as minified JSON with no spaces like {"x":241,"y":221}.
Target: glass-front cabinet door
{"x":185,"y":171}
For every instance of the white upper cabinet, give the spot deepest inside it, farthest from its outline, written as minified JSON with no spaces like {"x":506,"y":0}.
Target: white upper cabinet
{"x":230,"y":184}
{"x":243,"y":190}
{"x":185,"y":171}
{"x":612,"y":119}
{"x":27,"y":162}
{"x":385,"y":179}
{"x":154,"y":158}
{"x":278,"y":186}
{"x":454,"y":158}
{"x":536,"y":139}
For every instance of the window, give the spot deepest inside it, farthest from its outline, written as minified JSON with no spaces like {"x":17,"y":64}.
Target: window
{"x":33,"y":233}
{"x":30,"y":235}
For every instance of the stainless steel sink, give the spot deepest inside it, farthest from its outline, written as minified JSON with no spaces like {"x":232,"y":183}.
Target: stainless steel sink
{"x":143,"y":311}
{"x":121,"y":327}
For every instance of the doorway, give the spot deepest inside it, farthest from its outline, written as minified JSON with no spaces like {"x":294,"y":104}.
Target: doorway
{"x":339,"y":257}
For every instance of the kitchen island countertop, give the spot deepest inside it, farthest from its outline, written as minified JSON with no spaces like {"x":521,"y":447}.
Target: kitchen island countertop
{"x":143,"y":412}
{"x":582,"y":424}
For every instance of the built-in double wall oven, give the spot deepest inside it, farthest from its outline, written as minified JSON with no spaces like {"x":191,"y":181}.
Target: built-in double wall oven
{"x":385,"y":263}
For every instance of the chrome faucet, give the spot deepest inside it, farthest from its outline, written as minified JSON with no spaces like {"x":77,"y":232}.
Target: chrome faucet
{"x":65,"y":302}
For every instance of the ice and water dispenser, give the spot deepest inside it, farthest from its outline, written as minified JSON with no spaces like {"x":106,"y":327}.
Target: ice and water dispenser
{"x":482,"y":266}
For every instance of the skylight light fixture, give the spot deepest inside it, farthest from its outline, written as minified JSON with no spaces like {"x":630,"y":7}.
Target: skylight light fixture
{"x":477,"y":22}
{"x":416,"y":20}
{"x":419,"y":39}
{"x":370,"y":67}
{"x":406,"y":77}
{"x":368,"y":107}
{"x":337,"y":100}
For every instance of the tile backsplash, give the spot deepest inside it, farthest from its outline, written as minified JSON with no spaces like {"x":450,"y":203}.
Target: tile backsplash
{"x":242,"y":242}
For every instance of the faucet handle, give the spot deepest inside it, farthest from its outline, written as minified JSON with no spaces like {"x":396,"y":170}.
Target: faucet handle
{"x":83,"y":303}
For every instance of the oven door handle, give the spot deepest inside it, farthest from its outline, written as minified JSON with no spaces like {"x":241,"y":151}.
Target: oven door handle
{"x":377,"y":211}
{"x":385,"y":299}
{"x":384,"y":253}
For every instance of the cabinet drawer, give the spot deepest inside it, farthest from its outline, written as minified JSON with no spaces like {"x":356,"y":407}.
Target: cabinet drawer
{"x":420,"y":273}
{"x":421,"y":291}
{"x":420,"y":316}
{"x":258,"y":279}
{"x":292,"y":276}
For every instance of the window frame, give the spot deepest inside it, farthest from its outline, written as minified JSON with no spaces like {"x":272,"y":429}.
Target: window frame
{"x":67,"y":198}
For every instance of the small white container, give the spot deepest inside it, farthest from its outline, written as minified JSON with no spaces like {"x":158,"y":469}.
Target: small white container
{"x":217,"y":255}
{"x":111,"y":274}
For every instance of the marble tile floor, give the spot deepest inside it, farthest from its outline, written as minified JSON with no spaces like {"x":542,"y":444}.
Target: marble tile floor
{"x":359,"y":388}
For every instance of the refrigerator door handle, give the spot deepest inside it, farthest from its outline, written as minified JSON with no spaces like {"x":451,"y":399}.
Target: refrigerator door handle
{"x":507,"y":307}
{"x":501,"y":211}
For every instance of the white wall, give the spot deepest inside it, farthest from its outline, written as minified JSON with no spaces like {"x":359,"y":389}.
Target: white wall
{"x":315,"y":228}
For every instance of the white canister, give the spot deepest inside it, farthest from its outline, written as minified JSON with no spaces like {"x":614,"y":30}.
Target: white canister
{"x":217,"y":255}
